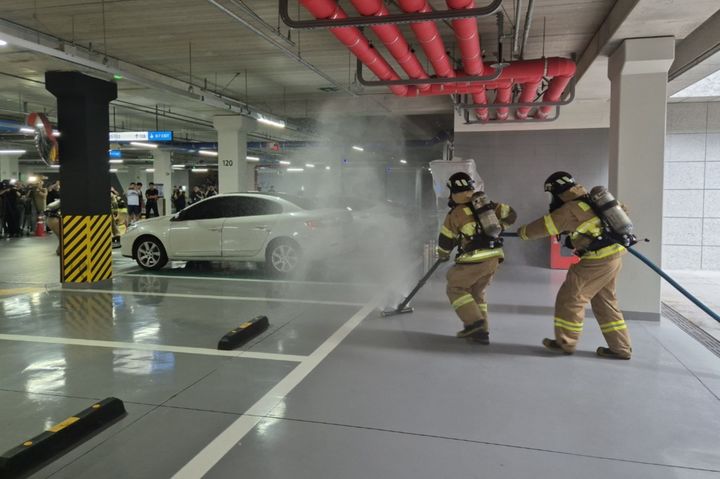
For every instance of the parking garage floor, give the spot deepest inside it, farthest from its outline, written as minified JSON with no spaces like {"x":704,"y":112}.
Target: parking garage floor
{"x":333,"y":390}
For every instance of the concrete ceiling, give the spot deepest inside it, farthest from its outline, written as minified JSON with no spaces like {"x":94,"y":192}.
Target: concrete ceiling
{"x":194,"y":42}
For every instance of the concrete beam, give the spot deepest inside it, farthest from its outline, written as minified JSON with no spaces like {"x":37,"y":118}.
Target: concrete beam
{"x":39,"y":42}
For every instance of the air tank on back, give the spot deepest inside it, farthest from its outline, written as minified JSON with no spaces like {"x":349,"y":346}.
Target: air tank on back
{"x":614,"y":214}
{"x":486,"y":215}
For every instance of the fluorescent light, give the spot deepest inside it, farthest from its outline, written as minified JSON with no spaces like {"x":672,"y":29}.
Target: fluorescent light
{"x":199,"y":170}
{"x":54,"y":166}
{"x":358,"y":148}
{"x":113,"y":170}
{"x":404,"y":162}
{"x":3,"y":43}
{"x":149,"y":170}
{"x":283,"y":162}
{"x":208,"y":153}
{"x":144,"y":145}
{"x":178,"y":167}
{"x":116,"y":161}
{"x":295,"y":170}
{"x":56,"y":133}
{"x":32,"y":179}
{"x":309,"y":165}
{"x":327,"y":167}
{"x":252,"y":158}
{"x":275,"y":123}
{"x":12,"y":152}
{"x":27,"y":130}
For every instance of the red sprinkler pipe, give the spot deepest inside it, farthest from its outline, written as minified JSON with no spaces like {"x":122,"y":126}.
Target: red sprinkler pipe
{"x":355,"y":41}
{"x":529,"y":92}
{"x":468,"y":39}
{"x":429,"y":37}
{"x":393,"y":40}
{"x":503,"y":95}
{"x":561,"y":71}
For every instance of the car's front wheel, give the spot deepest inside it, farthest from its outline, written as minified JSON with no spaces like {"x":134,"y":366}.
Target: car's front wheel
{"x":283,"y":257}
{"x":150,"y":254}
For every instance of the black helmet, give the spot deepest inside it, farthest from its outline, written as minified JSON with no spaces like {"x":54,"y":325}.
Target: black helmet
{"x":559,"y":182}
{"x":460,"y":182}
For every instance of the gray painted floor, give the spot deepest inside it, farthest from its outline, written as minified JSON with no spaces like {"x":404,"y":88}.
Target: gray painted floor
{"x":398,"y":397}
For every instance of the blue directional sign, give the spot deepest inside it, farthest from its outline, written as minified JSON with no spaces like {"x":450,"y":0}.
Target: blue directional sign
{"x":160,"y":136}
{"x":115,"y":154}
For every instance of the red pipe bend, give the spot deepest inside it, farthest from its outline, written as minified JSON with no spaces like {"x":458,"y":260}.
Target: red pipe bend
{"x":393,"y":40}
{"x":355,"y":41}
{"x":429,"y":37}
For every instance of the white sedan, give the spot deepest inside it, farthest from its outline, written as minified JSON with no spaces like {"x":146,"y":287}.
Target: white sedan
{"x":277,"y":230}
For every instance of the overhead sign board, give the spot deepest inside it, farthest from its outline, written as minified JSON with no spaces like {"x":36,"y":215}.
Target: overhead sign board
{"x":141,"y":136}
{"x":115,"y":154}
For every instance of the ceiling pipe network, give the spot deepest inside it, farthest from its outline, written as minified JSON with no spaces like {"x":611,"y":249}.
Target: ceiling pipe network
{"x":393,"y":39}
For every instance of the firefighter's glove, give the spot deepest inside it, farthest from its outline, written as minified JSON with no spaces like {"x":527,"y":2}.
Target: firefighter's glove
{"x":443,"y":255}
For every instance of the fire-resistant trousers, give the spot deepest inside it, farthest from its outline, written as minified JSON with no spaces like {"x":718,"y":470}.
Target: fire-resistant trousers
{"x":466,"y":285}
{"x":593,"y":281}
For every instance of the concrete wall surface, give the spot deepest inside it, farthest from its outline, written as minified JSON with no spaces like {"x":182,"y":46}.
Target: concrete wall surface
{"x":691,"y":205}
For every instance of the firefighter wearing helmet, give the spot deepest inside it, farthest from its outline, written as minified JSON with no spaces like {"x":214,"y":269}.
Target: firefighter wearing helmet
{"x":473,"y":225}
{"x":577,"y":214}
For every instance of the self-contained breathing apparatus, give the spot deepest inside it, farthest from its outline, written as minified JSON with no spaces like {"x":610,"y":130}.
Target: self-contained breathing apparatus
{"x":616,"y":226}
{"x":487,"y":225}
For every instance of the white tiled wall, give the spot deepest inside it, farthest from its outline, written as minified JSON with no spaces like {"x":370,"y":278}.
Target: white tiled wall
{"x":691,"y":204}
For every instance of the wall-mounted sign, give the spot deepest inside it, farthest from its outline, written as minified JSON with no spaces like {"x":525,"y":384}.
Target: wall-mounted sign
{"x":141,"y":136}
{"x":115,"y":154}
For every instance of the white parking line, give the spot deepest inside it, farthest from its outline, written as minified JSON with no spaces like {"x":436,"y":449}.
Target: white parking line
{"x":206,"y":296}
{"x":151,"y":347}
{"x":221,"y":445}
{"x":249,"y":280}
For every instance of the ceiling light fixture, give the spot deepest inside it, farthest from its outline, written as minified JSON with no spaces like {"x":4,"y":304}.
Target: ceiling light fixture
{"x":56,"y":133}
{"x":12,"y":152}
{"x":116,"y":161}
{"x":143,"y":145}
{"x":327,"y":167}
{"x":269,"y":122}
{"x":3,"y":43}
{"x":283,"y":162}
{"x":27,"y":130}
{"x":199,"y":170}
{"x":404,"y":162}
{"x":54,"y":166}
{"x":208,"y":153}
{"x":113,"y":170}
{"x":252,"y":158}
{"x":149,"y":170}
{"x":178,"y":167}
{"x":358,"y":148}
{"x":295,"y":170}
{"x":309,"y":165}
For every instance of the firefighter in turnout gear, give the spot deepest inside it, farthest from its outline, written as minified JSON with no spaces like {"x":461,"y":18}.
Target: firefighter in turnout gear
{"x":573,"y":212}
{"x":473,"y":225}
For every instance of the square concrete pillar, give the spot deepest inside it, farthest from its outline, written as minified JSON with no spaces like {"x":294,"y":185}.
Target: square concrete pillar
{"x":232,"y":151}
{"x":9,"y":166}
{"x":638,"y":74}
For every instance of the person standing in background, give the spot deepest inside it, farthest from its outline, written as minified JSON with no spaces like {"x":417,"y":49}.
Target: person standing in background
{"x":133,"y":203}
{"x":151,"y":194}
{"x":139,"y":188}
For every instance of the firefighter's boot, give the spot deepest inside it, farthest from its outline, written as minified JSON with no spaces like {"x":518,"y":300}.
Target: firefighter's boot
{"x":471,"y":329}
{"x":609,"y":353}
{"x":553,"y":346}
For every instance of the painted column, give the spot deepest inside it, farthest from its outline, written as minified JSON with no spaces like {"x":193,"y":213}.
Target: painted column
{"x":638,"y":74}
{"x":83,"y":120}
{"x":232,"y":148}
{"x":162,"y":164}
{"x":9,"y":166}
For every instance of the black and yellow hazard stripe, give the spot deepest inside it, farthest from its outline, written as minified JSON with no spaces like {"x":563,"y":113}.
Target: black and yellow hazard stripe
{"x":86,"y":248}
{"x":87,"y":316}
